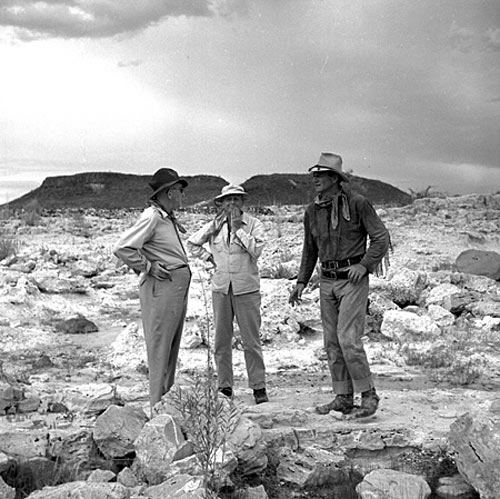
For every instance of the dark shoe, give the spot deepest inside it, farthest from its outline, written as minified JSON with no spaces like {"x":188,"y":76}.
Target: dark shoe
{"x":343,"y":403}
{"x":369,"y":405}
{"x":227,"y":392}
{"x":260,"y":396}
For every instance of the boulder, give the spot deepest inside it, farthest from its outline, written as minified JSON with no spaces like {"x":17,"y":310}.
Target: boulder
{"x":479,"y":262}
{"x":401,"y":324}
{"x":246,"y":441}
{"x":159,"y":443}
{"x":391,"y":484}
{"x":405,"y":286}
{"x":77,"y":325}
{"x":475,"y":440}
{"x":117,"y":429}
{"x":442,"y":317}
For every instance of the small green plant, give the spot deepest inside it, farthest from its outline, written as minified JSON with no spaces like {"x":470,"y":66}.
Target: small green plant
{"x":207,"y":419}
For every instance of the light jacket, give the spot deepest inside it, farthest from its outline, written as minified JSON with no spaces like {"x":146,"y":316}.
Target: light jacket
{"x":236,"y":259}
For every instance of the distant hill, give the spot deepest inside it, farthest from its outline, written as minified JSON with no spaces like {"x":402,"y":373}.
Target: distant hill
{"x":288,"y":188}
{"x":107,"y":190}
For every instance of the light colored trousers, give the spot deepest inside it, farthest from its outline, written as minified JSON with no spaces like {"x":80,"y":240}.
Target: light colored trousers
{"x":163,"y":307}
{"x":246,"y":309}
{"x":343,"y":310}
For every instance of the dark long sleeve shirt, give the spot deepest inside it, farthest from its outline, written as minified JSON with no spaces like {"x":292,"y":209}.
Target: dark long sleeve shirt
{"x":348,"y":239}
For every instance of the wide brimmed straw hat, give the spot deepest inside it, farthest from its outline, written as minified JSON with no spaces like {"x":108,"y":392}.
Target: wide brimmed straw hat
{"x":329,"y":162}
{"x":229,"y":190}
{"x":165,"y":178}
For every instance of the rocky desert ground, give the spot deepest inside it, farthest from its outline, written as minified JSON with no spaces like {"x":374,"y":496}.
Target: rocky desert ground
{"x":71,"y":352}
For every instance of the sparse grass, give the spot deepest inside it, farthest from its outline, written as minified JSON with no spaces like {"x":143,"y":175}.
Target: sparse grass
{"x":455,"y":359}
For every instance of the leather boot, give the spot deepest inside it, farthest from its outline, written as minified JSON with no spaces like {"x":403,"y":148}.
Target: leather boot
{"x":369,"y":405}
{"x":260,"y":395}
{"x":343,"y":403}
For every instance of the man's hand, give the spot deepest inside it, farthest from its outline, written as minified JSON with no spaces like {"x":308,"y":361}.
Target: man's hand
{"x":159,"y":271}
{"x":356,"y":272}
{"x":235,"y":215}
{"x":211,"y":260}
{"x":296,"y":294}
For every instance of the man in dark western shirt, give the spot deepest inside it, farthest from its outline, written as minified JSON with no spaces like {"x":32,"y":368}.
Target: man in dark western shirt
{"x":337,"y":226}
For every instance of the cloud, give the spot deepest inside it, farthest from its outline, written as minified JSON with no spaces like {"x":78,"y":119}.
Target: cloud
{"x":33,"y":20}
{"x":126,"y":64}
{"x":493,"y":39}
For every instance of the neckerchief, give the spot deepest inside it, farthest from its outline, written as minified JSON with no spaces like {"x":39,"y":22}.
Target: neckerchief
{"x":334,"y":202}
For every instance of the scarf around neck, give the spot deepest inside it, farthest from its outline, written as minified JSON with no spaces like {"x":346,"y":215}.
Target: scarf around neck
{"x":334,"y":202}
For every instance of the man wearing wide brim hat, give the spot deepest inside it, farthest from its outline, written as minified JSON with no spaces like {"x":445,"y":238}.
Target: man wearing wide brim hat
{"x":331,"y":163}
{"x":235,"y":241}
{"x":153,"y":248}
{"x":229,"y":190}
{"x":337,"y":227}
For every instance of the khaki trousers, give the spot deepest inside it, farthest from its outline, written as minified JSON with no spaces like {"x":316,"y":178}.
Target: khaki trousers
{"x":343,"y":310}
{"x":163,"y":306}
{"x":246,"y":309}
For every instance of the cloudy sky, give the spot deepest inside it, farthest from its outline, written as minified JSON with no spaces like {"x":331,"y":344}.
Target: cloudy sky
{"x":406,"y":91}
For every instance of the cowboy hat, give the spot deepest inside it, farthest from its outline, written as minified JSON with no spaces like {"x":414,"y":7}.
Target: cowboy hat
{"x":329,"y":162}
{"x":165,"y":178}
{"x":229,"y":190}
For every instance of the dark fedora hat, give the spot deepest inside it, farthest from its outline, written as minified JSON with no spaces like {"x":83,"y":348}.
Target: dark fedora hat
{"x":165,"y":178}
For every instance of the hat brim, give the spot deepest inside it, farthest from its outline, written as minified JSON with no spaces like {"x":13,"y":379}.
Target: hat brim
{"x":180,"y":180}
{"x":321,"y":168}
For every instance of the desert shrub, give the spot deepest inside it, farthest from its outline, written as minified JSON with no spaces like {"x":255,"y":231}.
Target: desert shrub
{"x":8,"y":247}
{"x":207,"y":419}
{"x":454,"y":361}
{"x":31,"y":217}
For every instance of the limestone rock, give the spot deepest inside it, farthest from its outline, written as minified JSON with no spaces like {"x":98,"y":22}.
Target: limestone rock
{"x":405,"y":286}
{"x":129,"y":349}
{"x":252,"y":493}
{"x":127,"y":478}
{"x":454,"y":487}
{"x":475,"y":440}
{"x":178,"y":487}
{"x":76,"y":451}
{"x":391,"y":484}
{"x":479,"y":262}
{"x":101,"y":476}
{"x":247,"y":443}
{"x":116,"y":430}
{"x":442,"y":317}
{"x":442,"y":295}
{"x":6,"y":492}
{"x":159,"y":443}
{"x":400,"y":324}
{"x":77,"y":325}
{"x":82,"y":490}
